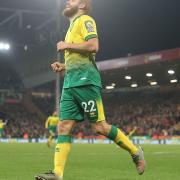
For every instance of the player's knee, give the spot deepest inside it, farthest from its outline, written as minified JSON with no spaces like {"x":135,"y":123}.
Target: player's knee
{"x":65,"y":127}
{"x":102,"y":128}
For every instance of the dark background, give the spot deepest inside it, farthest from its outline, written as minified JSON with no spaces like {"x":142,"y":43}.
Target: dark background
{"x":124,"y":26}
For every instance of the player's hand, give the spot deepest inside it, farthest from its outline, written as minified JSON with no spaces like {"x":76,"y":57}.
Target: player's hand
{"x":58,"y":67}
{"x":61,"y":46}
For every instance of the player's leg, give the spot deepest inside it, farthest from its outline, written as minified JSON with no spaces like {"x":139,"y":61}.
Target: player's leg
{"x":70,"y":113}
{"x":50,"y":138}
{"x":1,"y":133}
{"x":63,"y":146}
{"x":61,"y":151}
{"x":90,"y":99}
{"x":115,"y":134}
{"x":52,"y":132}
{"x":49,"y":141}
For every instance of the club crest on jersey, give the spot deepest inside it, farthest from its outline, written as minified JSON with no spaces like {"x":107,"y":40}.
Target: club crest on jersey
{"x":89,"y":26}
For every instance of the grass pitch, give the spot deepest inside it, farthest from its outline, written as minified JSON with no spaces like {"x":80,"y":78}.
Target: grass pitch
{"x":89,"y":162}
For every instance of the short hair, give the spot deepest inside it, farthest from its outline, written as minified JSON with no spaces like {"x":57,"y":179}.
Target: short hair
{"x":88,"y":7}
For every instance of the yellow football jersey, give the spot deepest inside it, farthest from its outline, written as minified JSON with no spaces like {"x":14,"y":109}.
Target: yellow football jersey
{"x":51,"y":121}
{"x":81,"y":68}
{"x":81,"y":29}
{"x":1,"y":125}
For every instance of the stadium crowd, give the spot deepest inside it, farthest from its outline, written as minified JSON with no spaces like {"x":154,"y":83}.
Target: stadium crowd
{"x":21,"y":123}
{"x":152,"y":114}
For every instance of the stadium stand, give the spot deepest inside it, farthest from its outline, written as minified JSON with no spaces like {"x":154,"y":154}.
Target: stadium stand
{"x":155,"y":111}
{"x":21,"y":122}
{"x":153,"y":114}
{"x":9,"y":79}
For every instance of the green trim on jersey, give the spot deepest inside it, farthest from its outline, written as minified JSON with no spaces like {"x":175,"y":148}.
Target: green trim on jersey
{"x":91,"y":36}
{"x":76,"y":18}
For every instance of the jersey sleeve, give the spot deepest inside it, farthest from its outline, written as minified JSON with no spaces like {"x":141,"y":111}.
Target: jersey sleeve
{"x":88,"y":28}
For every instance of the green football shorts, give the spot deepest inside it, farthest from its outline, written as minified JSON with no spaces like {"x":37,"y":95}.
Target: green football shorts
{"x":52,"y":130}
{"x":76,"y":102}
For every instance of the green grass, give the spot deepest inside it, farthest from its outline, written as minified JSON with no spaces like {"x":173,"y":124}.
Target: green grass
{"x":89,"y":162}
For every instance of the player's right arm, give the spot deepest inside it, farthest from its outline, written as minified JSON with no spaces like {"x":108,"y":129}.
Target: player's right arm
{"x":91,"y":45}
{"x":47,"y":123}
{"x":133,"y":131}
